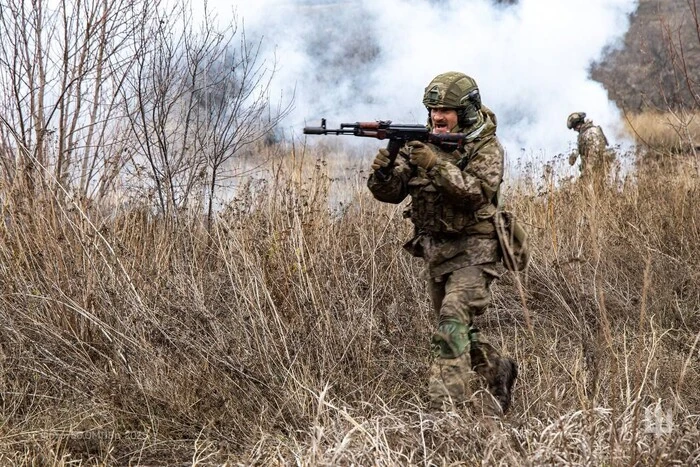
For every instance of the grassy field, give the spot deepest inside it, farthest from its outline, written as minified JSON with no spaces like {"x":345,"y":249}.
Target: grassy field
{"x":665,"y":133}
{"x":295,"y":334}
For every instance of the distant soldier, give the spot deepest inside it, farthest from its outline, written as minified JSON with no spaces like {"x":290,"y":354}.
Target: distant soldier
{"x":596,"y":159}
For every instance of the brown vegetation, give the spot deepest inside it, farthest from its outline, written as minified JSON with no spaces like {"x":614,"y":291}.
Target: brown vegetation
{"x":670,"y":133}
{"x":292,"y":333}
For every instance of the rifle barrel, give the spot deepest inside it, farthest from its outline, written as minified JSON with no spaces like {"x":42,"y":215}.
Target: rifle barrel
{"x":317,"y":130}
{"x":384,"y":129}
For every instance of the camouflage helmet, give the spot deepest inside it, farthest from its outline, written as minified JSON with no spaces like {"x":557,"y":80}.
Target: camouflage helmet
{"x":575,"y":119}
{"x":454,"y":90}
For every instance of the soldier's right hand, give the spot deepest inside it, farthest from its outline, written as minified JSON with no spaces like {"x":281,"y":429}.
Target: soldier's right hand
{"x":572,"y":158}
{"x":381,"y":160}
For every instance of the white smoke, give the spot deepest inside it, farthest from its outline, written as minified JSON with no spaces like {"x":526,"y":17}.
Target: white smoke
{"x":367,"y":60}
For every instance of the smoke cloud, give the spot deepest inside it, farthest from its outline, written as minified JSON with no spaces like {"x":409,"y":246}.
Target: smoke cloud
{"x":367,"y":60}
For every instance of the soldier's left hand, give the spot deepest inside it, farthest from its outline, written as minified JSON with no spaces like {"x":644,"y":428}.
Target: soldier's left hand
{"x":422,"y":155}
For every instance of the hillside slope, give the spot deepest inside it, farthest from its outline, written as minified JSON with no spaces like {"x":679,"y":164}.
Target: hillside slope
{"x":659,"y":65}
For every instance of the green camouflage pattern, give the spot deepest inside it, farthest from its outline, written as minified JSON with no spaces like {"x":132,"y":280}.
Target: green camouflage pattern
{"x":448,"y":200}
{"x":449,"y":90}
{"x":450,"y":382}
{"x":463,"y":294}
{"x":451,"y":339}
{"x":574,"y":119}
{"x":459,"y":297}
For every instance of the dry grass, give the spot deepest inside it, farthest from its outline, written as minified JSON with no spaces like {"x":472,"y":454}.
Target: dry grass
{"x":666,"y":132}
{"x":298,"y":335}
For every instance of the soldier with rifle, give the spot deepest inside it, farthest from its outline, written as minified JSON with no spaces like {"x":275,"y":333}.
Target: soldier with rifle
{"x":452,"y":170}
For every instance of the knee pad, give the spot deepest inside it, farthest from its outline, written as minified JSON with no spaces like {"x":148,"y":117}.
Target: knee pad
{"x":451,"y":339}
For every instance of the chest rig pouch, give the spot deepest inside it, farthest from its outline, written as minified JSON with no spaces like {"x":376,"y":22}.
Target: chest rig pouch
{"x":432,"y":213}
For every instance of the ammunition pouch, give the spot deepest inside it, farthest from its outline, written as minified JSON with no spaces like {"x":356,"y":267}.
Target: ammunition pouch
{"x":431,"y":213}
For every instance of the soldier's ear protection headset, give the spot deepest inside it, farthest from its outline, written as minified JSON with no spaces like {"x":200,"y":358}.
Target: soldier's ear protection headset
{"x":469,"y":111}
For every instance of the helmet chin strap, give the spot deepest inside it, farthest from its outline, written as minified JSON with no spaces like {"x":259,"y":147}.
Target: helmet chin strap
{"x":476,"y":132}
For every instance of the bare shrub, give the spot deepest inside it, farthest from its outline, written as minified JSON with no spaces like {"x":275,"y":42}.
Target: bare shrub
{"x":657,"y":66}
{"x":128,"y":100}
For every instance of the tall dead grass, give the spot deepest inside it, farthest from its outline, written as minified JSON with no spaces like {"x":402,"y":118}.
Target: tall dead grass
{"x":666,"y":133}
{"x":295,"y":334}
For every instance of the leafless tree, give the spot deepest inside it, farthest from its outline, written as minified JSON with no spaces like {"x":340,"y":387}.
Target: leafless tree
{"x":682,"y":42}
{"x":62,"y":65}
{"x":234,"y":110}
{"x":98,"y":93}
{"x":196,"y":99}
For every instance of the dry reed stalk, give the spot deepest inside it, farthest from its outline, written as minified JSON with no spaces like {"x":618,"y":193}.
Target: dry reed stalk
{"x":295,"y":331}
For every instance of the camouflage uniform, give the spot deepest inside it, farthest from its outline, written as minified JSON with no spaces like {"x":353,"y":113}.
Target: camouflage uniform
{"x":452,"y":206}
{"x":596,"y":159}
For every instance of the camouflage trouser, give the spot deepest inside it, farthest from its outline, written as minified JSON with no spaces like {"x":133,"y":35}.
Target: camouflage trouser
{"x":457,"y":297}
{"x":597,"y":173}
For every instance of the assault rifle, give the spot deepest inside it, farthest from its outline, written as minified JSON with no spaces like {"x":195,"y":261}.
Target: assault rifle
{"x":398,"y":135}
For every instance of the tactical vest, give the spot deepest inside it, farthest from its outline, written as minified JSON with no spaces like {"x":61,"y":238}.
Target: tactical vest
{"x":431,"y":213}
{"x":597,"y":129}
{"x":434,"y":214}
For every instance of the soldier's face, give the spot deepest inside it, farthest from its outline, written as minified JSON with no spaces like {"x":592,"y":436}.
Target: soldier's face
{"x":443,"y":120}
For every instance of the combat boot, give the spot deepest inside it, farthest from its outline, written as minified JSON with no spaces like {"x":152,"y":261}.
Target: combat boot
{"x":499,"y":372}
{"x":502,"y":385}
